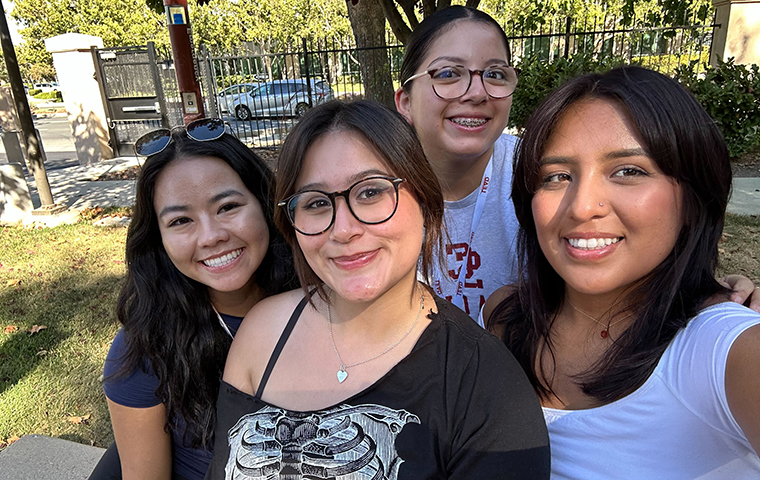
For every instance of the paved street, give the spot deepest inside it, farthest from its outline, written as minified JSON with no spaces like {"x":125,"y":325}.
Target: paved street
{"x":56,"y":140}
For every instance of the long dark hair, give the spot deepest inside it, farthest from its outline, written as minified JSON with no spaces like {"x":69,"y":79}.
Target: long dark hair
{"x":392,"y":138}
{"x":428,"y":31}
{"x":168,"y":319}
{"x":686,"y":145}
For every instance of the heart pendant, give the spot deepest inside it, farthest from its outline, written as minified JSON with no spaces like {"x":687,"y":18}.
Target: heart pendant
{"x":342,"y":375}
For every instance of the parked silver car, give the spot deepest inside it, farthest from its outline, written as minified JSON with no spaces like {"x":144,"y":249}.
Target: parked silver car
{"x":226,"y":96}
{"x":280,"y":98}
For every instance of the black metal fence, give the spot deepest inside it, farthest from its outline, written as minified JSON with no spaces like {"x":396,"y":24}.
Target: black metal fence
{"x":262,"y":94}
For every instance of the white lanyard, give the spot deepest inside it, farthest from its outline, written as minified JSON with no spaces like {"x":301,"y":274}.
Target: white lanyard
{"x":458,"y":297}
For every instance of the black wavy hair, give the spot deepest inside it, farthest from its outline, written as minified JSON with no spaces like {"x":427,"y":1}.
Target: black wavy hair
{"x":168,"y":318}
{"x":684,"y":141}
{"x":428,"y":31}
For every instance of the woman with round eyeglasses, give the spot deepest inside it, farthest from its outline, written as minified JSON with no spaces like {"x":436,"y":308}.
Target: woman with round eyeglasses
{"x":456,"y":91}
{"x":364,"y":372}
{"x":201,"y":250}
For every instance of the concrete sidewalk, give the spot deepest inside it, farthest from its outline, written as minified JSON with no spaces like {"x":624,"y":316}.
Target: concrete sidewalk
{"x":745,"y":197}
{"x":76,"y":187}
{"x":39,"y":457}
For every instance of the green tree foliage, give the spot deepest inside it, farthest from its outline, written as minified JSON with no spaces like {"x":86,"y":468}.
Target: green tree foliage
{"x":531,"y":14}
{"x":731,"y":95}
{"x":225,"y":24}
{"x":126,"y":22}
{"x":538,"y":78}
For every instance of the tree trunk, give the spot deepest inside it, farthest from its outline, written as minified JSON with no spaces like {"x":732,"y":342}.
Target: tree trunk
{"x":368,"y":24}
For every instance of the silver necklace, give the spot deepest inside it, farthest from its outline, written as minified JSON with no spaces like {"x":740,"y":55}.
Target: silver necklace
{"x":342,"y":374}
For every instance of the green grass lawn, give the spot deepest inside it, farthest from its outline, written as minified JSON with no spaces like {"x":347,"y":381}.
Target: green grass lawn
{"x":68,"y":279}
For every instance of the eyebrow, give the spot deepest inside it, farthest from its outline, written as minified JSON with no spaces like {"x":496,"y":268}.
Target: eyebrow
{"x":460,"y":60}
{"x":351,"y":180}
{"x":624,"y":153}
{"x":184,"y":208}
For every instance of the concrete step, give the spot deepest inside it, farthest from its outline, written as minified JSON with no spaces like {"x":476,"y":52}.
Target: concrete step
{"x":35,"y":457}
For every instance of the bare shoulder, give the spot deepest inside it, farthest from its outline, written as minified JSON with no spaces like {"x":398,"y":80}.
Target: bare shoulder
{"x":496,"y":298}
{"x":256,"y":339}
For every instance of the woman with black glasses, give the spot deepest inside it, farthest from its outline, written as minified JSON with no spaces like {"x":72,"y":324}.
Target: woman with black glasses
{"x":201,"y":251}
{"x":365,"y":373}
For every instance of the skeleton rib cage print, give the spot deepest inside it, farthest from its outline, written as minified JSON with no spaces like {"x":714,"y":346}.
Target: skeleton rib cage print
{"x":342,"y":442}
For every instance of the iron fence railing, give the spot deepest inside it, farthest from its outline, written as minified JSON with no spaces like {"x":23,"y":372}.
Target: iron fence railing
{"x":262,"y":94}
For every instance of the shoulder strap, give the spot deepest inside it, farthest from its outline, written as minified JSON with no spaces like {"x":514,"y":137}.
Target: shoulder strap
{"x":281,"y":342}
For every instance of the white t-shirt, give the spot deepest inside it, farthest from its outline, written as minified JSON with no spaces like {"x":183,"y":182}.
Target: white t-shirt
{"x":676,"y":426}
{"x":492,"y":260}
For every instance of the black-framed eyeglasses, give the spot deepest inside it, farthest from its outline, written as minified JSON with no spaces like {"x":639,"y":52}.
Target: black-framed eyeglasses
{"x":201,"y":130}
{"x":372,"y":200}
{"x":453,"y":81}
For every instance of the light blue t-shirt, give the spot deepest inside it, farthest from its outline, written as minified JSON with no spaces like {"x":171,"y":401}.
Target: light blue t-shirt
{"x":492,"y":259}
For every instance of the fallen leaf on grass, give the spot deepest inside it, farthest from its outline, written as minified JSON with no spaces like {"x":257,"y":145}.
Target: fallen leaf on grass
{"x":14,"y":282}
{"x":36,"y":329}
{"x":12,"y":439}
{"x":41,"y":353}
{"x":10,"y":329}
{"x":79,"y":420}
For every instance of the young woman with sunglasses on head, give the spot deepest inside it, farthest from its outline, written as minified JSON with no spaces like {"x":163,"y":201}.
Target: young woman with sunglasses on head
{"x":643,"y":367}
{"x":201,"y":251}
{"x":456,"y":86}
{"x":364,"y":373}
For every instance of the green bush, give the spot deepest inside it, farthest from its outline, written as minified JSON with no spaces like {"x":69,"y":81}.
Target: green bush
{"x":538,"y":78}
{"x":54,"y":95}
{"x":731,"y":95}
{"x":34,"y":91}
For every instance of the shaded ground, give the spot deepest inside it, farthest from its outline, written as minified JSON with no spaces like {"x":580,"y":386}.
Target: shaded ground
{"x":131,"y":173}
{"x":748,"y":165}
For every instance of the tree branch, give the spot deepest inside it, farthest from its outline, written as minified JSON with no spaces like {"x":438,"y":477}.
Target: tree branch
{"x":442,"y":4}
{"x":472,"y":3}
{"x":428,"y":8}
{"x":408,"y":7}
{"x":400,"y":29}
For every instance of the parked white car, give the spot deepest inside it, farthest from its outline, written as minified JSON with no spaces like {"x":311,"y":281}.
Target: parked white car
{"x":47,"y":87}
{"x":281,"y":98}
{"x":226,"y":96}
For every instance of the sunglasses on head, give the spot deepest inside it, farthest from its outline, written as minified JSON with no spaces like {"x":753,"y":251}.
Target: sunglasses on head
{"x":203,"y":130}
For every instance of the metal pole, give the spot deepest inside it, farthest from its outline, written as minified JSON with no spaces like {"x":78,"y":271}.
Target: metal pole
{"x":160,"y":97}
{"x":32,"y":142}
{"x":307,"y":67}
{"x":185,"y":67}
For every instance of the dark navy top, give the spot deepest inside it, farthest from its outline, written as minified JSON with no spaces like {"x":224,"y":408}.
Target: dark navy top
{"x":138,"y":390}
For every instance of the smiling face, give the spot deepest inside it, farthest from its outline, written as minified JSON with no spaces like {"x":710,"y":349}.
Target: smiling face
{"x":465,"y":128}
{"x":212,"y":227}
{"x":359,"y":262}
{"x":605,"y":214}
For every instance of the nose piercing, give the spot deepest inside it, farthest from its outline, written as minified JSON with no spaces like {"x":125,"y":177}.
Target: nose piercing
{"x":601,"y":204}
